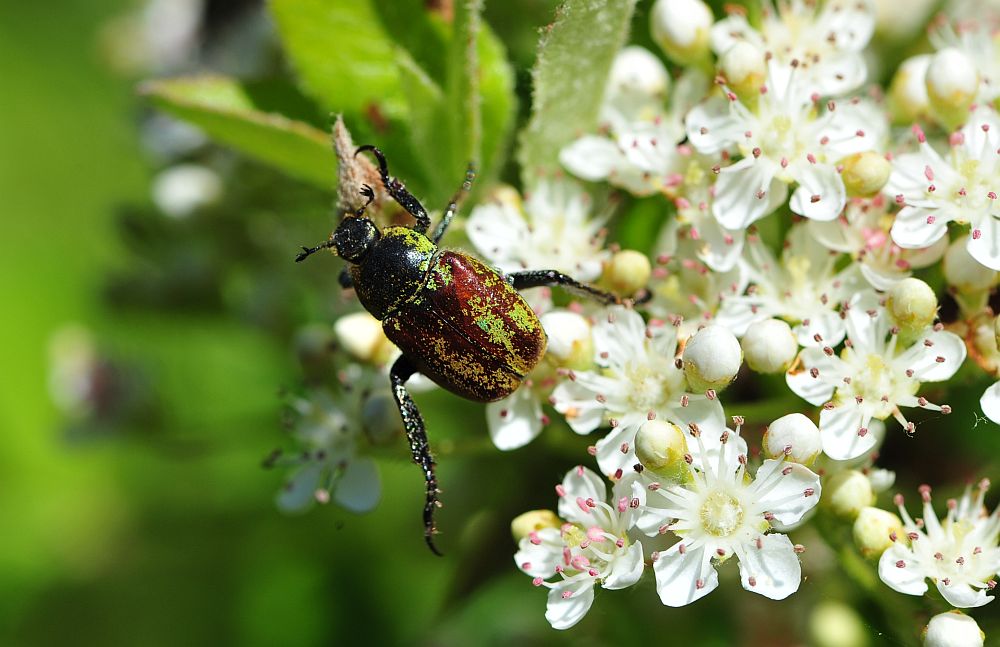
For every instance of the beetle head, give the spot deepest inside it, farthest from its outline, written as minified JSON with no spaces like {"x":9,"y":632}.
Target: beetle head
{"x":354,"y":237}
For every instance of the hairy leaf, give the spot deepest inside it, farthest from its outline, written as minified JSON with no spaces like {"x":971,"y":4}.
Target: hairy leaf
{"x":574,"y":59}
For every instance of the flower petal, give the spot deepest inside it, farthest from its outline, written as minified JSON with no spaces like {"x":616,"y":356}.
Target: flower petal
{"x":986,"y":247}
{"x":963,"y":596}
{"x":923,"y":359}
{"x":540,"y":560}
{"x":782,"y":487}
{"x":838,"y":430}
{"x":359,"y":488}
{"x":564,"y":612}
{"x":581,"y":484}
{"x":514,"y":421}
{"x":990,"y":402}
{"x":591,"y":157}
{"x":917,"y":227}
{"x":297,"y":494}
{"x":746,"y":192}
{"x":626,"y":569}
{"x":907,"y":579}
{"x":770,"y":567}
{"x":678,"y":576}
{"x":821,"y":194}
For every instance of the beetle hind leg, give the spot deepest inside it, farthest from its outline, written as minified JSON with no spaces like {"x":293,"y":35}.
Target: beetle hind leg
{"x":539,"y":278}
{"x":416,"y":434}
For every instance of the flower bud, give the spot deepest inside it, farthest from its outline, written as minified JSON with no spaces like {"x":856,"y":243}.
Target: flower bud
{"x":712,"y":358}
{"x":952,"y":84}
{"x":846,"y":492}
{"x":744,"y":68}
{"x":912,"y":305}
{"x":636,"y":70}
{"x":834,"y":624}
{"x":795,"y":434}
{"x":360,"y":334}
{"x":681,"y":28}
{"x":965,"y":273}
{"x":873,"y":530}
{"x":532,"y":521}
{"x":571,"y":344}
{"x":908,"y":101}
{"x":627,"y":272}
{"x":770,"y":346}
{"x":953,"y":629}
{"x":181,"y":190}
{"x":660,"y":447}
{"x":864,"y":174}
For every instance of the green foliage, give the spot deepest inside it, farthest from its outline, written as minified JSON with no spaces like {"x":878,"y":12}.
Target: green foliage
{"x":574,"y":59}
{"x":233,"y":113}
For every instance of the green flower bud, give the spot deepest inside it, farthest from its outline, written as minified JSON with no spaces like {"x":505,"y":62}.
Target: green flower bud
{"x":681,"y":28}
{"x":660,"y":447}
{"x":627,"y":272}
{"x":744,"y":68}
{"x":912,"y":305}
{"x":571,"y":344}
{"x":873,"y":530}
{"x":532,"y":521}
{"x":712,"y":358}
{"x":953,"y":629}
{"x":794,"y":438}
{"x":834,"y":624}
{"x":770,"y":346}
{"x":908,"y":101}
{"x":864,"y":174}
{"x":847,"y":492}
{"x":952,"y":84}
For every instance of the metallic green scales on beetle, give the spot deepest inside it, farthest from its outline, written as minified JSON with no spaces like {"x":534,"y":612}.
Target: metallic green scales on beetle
{"x":455,"y":319}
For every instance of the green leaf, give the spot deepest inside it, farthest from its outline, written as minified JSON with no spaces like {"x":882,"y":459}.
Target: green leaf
{"x":343,"y":56}
{"x":574,"y":59}
{"x":238,"y":114}
{"x":499,"y":101}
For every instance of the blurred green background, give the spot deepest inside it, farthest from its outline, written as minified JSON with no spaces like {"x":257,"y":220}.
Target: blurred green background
{"x":151,"y":521}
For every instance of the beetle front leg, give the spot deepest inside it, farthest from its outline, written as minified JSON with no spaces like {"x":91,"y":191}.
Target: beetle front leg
{"x":539,"y":278}
{"x":452,"y":208}
{"x":398,"y":192}
{"x":416,"y":434}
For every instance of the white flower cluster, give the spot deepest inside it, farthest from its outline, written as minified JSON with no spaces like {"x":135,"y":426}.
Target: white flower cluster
{"x":758,"y":136}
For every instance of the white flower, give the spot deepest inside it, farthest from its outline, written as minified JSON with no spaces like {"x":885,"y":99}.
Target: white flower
{"x":990,"y":402}
{"x":636,"y":379}
{"x":328,"y":433}
{"x":552,"y":230}
{"x":962,"y":187}
{"x":804,"y":289}
{"x":592,"y":547}
{"x":720,"y":513}
{"x":784,"y":140}
{"x":863,"y":232}
{"x":684,"y":289}
{"x":959,"y":553}
{"x":825,"y":38}
{"x":874,"y":376}
{"x":638,"y":149}
{"x":717,"y":246}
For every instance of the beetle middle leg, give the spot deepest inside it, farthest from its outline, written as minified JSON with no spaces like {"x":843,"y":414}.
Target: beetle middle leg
{"x":452,"y":208}
{"x":539,"y":278}
{"x":416,"y":434}
{"x":398,"y":192}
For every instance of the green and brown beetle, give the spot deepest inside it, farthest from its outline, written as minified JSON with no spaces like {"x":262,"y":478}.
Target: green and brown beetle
{"x":455,"y":319}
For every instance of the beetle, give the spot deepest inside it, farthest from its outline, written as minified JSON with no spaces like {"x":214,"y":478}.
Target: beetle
{"x":456,"y":320}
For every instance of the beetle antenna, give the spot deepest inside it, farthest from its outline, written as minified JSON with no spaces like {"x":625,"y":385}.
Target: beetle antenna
{"x":308,"y":251}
